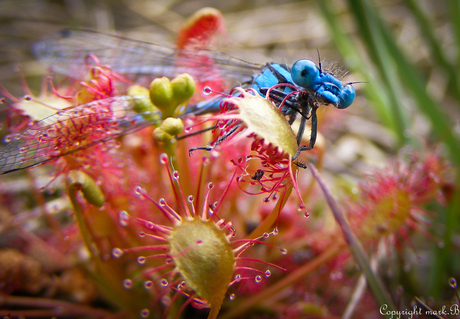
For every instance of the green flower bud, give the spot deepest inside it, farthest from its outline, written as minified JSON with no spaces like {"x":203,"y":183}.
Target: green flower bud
{"x":78,"y":180}
{"x":161,"y":136}
{"x":143,"y":105}
{"x":183,"y":87}
{"x":167,"y":96}
{"x":172,"y":126}
{"x":161,"y":94}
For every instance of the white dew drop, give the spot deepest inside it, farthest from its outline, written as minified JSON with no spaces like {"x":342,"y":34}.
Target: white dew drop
{"x":128,"y":283}
{"x":117,"y":252}
{"x":145,"y":313}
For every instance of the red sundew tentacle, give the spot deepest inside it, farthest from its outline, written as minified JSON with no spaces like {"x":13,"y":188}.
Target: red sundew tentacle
{"x":167,"y":211}
{"x":224,"y":193}
{"x":250,"y":269}
{"x":259,"y":261}
{"x":95,"y":88}
{"x":94,"y":58}
{"x":152,"y":257}
{"x":204,"y":215}
{"x":248,"y":192}
{"x":55,"y":92}
{"x":286,"y":98}
{"x":223,"y":225}
{"x":282,"y":85}
{"x":152,"y":226}
{"x":423,"y":231}
{"x":181,"y":199}
{"x":294,"y":182}
{"x":23,"y":81}
{"x":54,"y":178}
{"x":171,"y":302}
{"x":182,"y":308}
{"x":405,"y":235}
{"x":199,"y":182}
{"x":191,"y":201}
{"x":8,"y":95}
{"x":29,"y":98}
{"x":142,"y":234}
{"x":239,"y":279}
{"x":262,"y":261}
{"x":178,"y":194}
{"x":141,"y":248}
{"x":418,"y":213}
{"x":165,"y":208}
{"x":154,"y":270}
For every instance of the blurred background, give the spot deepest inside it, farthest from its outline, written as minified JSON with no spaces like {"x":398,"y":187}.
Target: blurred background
{"x":404,"y":54}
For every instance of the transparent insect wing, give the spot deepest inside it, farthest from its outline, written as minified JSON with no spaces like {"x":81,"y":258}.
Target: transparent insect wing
{"x":71,"y":130}
{"x":66,"y":51}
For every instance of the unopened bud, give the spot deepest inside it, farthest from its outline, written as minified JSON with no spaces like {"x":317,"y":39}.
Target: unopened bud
{"x":79,"y":180}
{"x":172,"y":126}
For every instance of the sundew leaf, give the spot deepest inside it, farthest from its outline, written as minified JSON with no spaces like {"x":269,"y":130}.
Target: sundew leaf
{"x":375,"y":284}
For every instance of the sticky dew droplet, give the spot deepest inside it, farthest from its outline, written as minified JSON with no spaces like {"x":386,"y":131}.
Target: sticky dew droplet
{"x":117,"y":252}
{"x":163,"y":158}
{"x":207,"y":90}
{"x":123,"y":218}
{"x":139,"y":190}
{"x":145,"y":313}
{"x":267,"y":273}
{"x":232,"y":297}
{"x":453,"y":282}
{"x":141,"y":260}
{"x":164,"y":283}
{"x":181,"y":285}
{"x":128,"y":283}
{"x":258,"y":278}
{"x":148,"y":284}
{"x":175,"y":175}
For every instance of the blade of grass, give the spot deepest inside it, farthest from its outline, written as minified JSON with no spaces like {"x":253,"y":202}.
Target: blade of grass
{"x":444,"y":255}
{"x":348,"y":49}
{"x":413,"y":81}
{"x":441,"y":125}
{"x":454,"y":10}
{"x":375,"y":284}
{"x":427,"y":28}
{"x":373,"y":39}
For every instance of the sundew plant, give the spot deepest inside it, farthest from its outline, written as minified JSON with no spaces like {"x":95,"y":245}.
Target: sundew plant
{"x":183,"y":181}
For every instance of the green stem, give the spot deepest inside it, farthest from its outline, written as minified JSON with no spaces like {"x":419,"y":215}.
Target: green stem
{"x":105,"y":275}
